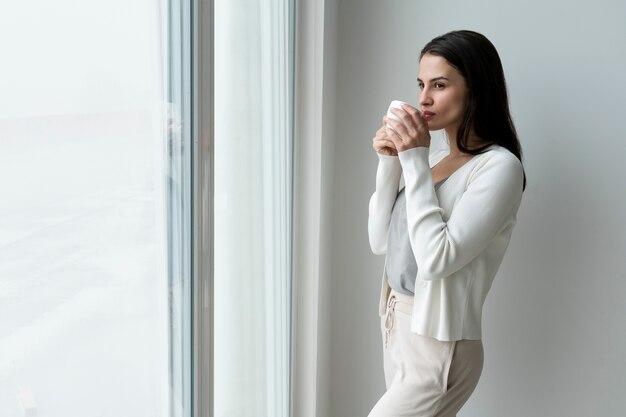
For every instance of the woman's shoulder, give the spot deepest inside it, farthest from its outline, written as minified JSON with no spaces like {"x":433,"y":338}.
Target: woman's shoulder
{"x":500,"y":156}
{"x":499,"y":163}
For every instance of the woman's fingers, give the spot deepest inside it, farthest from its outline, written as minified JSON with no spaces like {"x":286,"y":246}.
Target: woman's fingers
{"x":415,"y":115}
{"x":396,"y":132}
{"x":408,"y":120}
{"x":381,"y":143}
{"x":411,"y":130}
{"x":384,"y":143}
{"x":408,"y":131}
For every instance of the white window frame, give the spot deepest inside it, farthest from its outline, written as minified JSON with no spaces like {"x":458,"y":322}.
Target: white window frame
{"x":202,"y":227}
{"x":307,"y":198}
{"x":308,"y":180}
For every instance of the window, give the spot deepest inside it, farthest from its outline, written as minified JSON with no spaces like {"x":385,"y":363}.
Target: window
{"x":94,"y":223}
{"x":111,"y":299}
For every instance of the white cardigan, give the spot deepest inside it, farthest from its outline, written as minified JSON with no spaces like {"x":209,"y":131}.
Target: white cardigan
{"x":458,"y":233}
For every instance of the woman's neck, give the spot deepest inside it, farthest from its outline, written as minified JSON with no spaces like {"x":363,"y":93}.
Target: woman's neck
{"x":473,"y":142}
{"x":454,"y":149}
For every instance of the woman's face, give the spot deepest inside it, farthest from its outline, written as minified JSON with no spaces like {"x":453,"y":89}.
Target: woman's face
{"x":443,"y":94}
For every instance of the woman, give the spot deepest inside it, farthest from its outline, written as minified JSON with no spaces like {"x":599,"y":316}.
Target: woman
{"x":445,"y":231}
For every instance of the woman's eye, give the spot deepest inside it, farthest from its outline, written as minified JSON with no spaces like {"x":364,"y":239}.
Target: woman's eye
{"x":439,"y":85}
{"x":421,"y":86}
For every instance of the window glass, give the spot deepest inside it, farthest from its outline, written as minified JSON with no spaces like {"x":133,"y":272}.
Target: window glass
{"x":94,"y":180}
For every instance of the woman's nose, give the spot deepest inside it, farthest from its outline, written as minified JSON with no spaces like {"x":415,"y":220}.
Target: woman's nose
{"x":425,"y":98}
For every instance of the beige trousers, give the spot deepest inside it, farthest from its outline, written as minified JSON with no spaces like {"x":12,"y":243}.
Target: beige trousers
{"x":425,"y":377}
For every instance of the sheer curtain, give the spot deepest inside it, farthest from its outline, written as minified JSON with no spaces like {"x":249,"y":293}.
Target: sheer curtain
{"x":253,"y":206}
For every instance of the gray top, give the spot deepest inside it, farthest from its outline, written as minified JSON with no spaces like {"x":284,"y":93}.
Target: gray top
{"x":400,"y":265}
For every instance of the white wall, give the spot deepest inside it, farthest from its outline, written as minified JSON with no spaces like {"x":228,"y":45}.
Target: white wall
{"x":554,"y":329}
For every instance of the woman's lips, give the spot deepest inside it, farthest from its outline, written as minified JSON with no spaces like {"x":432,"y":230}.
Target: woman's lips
{"x":428,"y":114}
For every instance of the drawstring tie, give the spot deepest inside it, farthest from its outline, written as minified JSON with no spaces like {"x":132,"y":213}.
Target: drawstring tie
{"x":389,"y":319}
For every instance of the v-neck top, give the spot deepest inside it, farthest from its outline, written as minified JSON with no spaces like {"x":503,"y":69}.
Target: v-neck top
{"x":459,"y":234}
{"x":401,"y":265}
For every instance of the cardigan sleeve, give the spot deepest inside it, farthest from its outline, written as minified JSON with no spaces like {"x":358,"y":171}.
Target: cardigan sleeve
{"x":488,"y":204}
{"x":381,"y":203}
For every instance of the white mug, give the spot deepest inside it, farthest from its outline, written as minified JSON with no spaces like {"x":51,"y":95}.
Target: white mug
{"x":394,"y":104}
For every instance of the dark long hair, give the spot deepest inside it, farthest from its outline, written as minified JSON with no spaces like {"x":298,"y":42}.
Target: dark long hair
{"x":487,"y":108}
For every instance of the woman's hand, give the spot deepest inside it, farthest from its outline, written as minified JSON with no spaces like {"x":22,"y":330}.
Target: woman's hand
{"x":411,"y":131}
{"x":382,"y":143}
